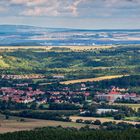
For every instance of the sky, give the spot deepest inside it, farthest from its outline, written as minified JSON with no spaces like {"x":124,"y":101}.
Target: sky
{"x":85,"y":14}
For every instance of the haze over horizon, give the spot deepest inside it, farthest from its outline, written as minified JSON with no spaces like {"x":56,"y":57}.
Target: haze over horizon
{"x":81,"y":14}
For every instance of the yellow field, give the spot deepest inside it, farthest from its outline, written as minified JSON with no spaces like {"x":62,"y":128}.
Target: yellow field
{"x":91,"y":79}
{"x":74,"y":118}
{"x":73,"y":48}
{"x":82,"y":48}
{"x":12,"y":48}
{"x":29,"y":124}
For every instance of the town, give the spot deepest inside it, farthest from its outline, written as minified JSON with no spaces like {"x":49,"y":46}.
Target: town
{"x":23,"y":93}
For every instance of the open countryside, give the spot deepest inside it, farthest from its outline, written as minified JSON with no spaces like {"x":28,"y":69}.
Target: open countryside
{"x":56,"y":92}
{"x":20,"y":124}
{"x":69,"y":70}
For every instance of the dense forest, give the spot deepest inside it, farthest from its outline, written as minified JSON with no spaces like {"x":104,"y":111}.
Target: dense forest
{"x":59,"y":133}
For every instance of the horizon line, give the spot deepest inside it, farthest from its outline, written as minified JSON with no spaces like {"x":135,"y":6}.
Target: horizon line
{"x":70,"y":28}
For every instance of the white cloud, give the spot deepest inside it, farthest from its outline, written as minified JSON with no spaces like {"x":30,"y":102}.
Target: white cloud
{"x":49,"y":8}
{"x":74,"y":7}
{"x":40,"y":11}
{"x":3,"y":9}
{"x":29,"y":2}
{"x":68,"y":8}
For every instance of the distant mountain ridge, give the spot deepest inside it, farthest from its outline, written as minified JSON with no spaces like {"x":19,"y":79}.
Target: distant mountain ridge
{"x":19,"y":35}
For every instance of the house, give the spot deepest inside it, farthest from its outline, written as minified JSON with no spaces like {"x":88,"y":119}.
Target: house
{"x":100,"y":111}
{"x":28,"y":100}
{"x":59,"y":76}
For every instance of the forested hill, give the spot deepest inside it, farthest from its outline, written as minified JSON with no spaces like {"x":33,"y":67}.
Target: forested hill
{"x":72,"y":64}
{"x":72,"y":134}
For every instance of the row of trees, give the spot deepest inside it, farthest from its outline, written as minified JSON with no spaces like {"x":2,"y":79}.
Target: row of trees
{"x":46,"y":115}
{"x":112,"y":125}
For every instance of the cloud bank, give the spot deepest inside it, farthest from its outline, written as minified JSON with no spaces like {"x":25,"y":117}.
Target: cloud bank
{"x":46,"y":7}
{"x":72,"y":13}
{"x":70,"y":8}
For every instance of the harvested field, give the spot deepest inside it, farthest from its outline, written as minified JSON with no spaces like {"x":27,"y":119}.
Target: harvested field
{"x":29,"y":124}
{"x":84,"y":48}
{"x":92,"y":79}
{"x":74,"y":48}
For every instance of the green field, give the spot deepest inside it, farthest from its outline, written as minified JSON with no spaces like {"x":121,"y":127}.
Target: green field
{"x":132,"y":119}
{"x":133,"y":106}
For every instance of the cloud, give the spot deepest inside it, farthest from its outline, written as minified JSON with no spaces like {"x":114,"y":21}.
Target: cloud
{"x":28,"y":2}
{"x":49,"y":8}
{"x":121,"y":2}
{"x":2,"y":9}
{"x":69,"y":8}
{"x":74,"y":7}
{"x":40,"y":11}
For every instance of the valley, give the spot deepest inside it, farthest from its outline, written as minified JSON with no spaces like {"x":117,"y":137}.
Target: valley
{"x":68,"y":85}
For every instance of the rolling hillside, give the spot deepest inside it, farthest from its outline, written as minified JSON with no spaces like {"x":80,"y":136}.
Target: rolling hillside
{"x":83,"y":64}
